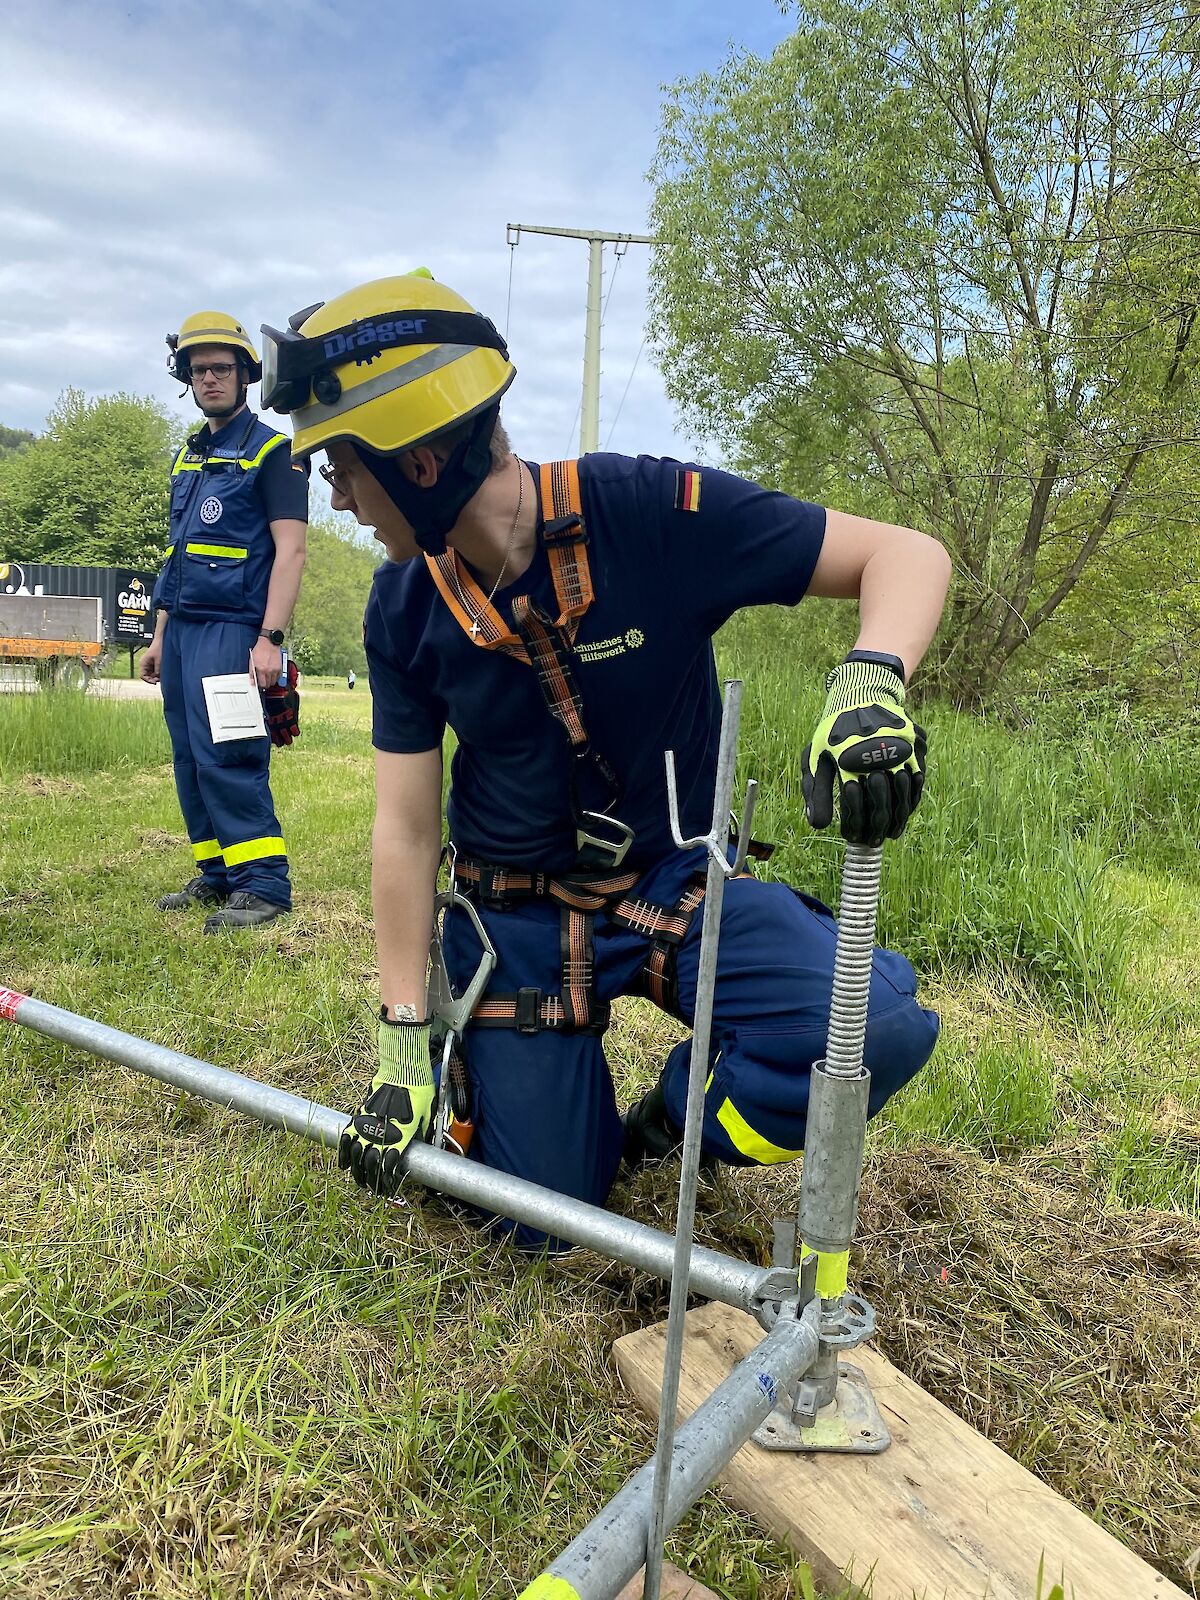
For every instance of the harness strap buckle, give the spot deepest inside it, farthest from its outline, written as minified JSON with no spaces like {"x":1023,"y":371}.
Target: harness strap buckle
{"x":607,"y":847}
{"x":565,"y":530}
{"x":486,"y":889}
{"x":529,"y":1011}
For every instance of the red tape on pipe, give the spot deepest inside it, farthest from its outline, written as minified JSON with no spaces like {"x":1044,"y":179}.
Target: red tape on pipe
{"x":9,"y":1001}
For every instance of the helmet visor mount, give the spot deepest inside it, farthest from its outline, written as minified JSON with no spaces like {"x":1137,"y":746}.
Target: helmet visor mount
{"x":297,"y":369}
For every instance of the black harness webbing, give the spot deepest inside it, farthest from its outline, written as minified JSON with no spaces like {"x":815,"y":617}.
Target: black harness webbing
{"x":576,"y":1009}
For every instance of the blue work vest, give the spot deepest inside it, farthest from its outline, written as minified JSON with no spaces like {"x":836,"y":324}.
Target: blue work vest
{"x":218,"y":564}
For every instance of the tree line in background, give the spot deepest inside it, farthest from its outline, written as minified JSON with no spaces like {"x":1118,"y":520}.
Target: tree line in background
{"x":938,"y":262}
{"x":935,"y":261}
{"x":93,"y":490}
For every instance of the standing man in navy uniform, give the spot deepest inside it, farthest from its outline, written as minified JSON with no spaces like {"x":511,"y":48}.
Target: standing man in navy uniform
{"x":560,"y":620}
{"x":224,"y":599}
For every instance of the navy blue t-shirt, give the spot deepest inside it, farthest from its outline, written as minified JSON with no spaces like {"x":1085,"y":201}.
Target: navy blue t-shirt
{"x":666,"y":577}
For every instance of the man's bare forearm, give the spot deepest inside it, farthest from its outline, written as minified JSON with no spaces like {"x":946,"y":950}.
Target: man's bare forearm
{"x":901,"y":598}
{"x":283,"y":589}
{"x":403,"y":882}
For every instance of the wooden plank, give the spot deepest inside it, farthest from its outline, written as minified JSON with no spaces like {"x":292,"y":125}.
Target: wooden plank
{"x":942,"y":1513}
{"x":675,"y":1585}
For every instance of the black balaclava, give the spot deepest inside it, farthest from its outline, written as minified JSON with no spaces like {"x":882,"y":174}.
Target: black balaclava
{"x":432,"y":512}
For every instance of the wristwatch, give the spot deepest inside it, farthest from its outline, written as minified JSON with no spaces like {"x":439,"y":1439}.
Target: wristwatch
{"x":276,"y":635}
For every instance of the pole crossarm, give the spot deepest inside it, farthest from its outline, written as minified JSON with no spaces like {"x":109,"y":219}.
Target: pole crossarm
{"x":516,"y":229}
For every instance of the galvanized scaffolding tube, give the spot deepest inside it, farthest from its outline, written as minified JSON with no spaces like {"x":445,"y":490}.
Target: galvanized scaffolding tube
{"x":716,"y":1276}
{"x":600,"y":1561}
{"x":716,"y":842}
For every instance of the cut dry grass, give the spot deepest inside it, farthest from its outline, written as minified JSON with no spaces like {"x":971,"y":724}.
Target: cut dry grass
{"x":225,"y":1374}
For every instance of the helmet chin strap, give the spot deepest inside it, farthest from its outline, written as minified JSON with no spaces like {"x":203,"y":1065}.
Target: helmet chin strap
{"x":432,"y":512}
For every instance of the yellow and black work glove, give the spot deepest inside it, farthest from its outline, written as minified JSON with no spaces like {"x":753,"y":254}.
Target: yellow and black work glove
{"x":868,"y":742}
{"x":396,"y":1111}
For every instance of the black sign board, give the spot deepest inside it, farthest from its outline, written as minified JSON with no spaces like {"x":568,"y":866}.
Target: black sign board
{"x":125,"y":592}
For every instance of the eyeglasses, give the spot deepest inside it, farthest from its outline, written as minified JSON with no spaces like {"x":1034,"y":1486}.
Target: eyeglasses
{"x":219,"y":369}
{"x":336,"y":477}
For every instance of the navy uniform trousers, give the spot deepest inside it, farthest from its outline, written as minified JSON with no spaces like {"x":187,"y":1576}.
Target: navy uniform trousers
{"x":545,"y":1107}
{"x":224,"y":789}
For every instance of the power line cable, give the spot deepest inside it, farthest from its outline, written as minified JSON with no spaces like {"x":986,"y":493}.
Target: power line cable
{"x":512,"y":256}
{"x":628,"y":381}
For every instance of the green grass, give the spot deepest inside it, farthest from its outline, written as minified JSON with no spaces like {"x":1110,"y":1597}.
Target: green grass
{"x":223,"y":1372}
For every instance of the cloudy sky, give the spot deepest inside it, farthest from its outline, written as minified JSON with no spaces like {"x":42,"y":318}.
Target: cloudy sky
{"x":162,"y":158}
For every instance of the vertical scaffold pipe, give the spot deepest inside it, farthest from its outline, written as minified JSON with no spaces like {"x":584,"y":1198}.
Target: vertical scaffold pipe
{"x":838,"y":1092}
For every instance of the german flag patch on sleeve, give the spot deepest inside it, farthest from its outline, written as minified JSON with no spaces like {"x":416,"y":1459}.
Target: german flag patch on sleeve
{"x":687,"y":489}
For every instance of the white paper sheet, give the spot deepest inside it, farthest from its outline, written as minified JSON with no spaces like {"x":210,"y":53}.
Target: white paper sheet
{"x":234,"y":706}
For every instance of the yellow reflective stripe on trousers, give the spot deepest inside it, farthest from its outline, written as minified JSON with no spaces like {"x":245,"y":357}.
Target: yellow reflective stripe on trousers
{"x":548,"y":1587}
{"x":237,"y":552}
{"x":254,"y":461}
{"x":206,"y":850}
{"x":236,"y":855}
{"x":750,"y":1143}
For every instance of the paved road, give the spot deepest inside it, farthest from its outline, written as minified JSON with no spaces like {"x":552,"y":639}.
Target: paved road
{"x":14,"y":681}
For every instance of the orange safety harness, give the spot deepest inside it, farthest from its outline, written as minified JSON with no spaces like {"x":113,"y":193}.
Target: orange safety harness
{"x":602,"y":840}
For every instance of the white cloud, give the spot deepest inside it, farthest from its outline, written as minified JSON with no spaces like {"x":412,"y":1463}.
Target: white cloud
{"x":159,"y":165}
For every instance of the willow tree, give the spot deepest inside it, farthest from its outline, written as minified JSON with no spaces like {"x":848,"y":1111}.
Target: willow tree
{"x":940,"y":262}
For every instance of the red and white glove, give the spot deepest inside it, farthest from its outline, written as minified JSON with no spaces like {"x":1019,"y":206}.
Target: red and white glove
{"x":281,"y":704}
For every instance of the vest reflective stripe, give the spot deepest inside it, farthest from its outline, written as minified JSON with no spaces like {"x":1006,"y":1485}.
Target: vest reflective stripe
{"x":253,"y":850}
{"x":206,"y":850}
{"x":218,"y":567}
{"x":247,"y":463}
{"x":257,"y":461}
{"x":747,"y":1140}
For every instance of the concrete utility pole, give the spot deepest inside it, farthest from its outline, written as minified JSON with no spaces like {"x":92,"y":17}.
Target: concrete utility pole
{"x":589,"y":411}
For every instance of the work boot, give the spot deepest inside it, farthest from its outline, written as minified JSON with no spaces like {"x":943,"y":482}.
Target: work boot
{"x":201,"y":891}
{"x":243,"y":910}
{"x":651,"y":1137}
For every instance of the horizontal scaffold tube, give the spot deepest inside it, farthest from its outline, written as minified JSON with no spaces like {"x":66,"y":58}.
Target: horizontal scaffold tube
{"x":601,"y":1560}
{"x":716,"y":1276}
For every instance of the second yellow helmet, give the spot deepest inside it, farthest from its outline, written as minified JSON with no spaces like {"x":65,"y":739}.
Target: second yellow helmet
{"x":207,"y":328}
